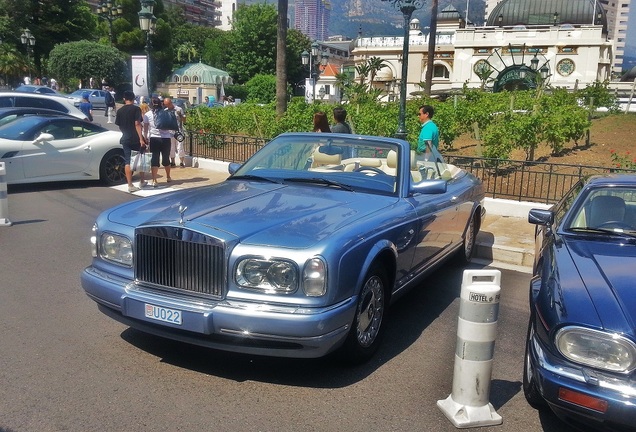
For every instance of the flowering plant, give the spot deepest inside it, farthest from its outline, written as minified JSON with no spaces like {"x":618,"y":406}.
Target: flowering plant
{"x":625,"y":161}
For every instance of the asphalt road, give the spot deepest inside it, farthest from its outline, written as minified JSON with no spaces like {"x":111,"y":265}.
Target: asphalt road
{"x":66,"y":367}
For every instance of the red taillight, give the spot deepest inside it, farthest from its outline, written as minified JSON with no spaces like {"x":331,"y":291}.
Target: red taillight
{"x":583,"y":400}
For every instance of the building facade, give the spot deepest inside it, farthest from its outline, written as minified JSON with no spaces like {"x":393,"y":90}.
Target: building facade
{"x":616,"y":15}
{"x":517,"y":48}
{"x":311,"y":17}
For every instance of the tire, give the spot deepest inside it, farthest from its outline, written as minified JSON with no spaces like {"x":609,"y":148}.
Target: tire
{"x":111,"y":168}
{"x":530,"y":390}
{"x":468,"y":247}
{"x":367,"y":328}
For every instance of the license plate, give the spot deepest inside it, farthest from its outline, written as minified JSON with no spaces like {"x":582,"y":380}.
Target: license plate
{"x":163,"y":314}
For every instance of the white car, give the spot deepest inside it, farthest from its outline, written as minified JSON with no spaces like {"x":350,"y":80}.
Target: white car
{"x":35,"y":100}
{"x":45,"y":148}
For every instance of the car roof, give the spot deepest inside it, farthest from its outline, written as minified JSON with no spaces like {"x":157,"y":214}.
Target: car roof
{"x":57,"y":116}
{"x":5,"y":111}
{"x":36,"y":95}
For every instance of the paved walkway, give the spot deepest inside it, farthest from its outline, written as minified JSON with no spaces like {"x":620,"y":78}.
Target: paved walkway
{"x":503,"y":241}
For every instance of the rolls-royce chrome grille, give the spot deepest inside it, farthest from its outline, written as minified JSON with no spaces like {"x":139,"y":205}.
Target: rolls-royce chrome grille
{"x":180,"y":259}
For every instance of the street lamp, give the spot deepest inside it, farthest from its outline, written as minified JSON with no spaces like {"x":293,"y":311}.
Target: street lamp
{"x":147,"y":23}
{"x":407,"y":7}
{"x":28,"y":40}
{"x":109,"y":11}
{"x":314,"y":64}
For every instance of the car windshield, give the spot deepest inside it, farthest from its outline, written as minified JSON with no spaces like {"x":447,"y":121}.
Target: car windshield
{"x":325,"y":160}
{"x":17,"y":129}
{"x":605,"y":210}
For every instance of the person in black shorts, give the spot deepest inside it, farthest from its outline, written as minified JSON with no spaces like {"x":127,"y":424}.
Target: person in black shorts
{"x":129,"y":120}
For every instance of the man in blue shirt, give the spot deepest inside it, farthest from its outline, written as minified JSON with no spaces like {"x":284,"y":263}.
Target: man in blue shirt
{"x":429,"y":131}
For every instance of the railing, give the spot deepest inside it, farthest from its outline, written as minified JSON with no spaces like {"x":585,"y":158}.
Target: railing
{"x":527,"y":181}
{"x":509,"y":179}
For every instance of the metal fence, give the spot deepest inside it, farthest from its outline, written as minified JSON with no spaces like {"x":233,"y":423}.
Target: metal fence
{"x":509,"y":179}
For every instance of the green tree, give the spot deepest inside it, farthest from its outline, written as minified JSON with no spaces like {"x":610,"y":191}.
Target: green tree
{"x":187,"y":50}
{"x":375,"y":65}
{"x":13,"y":65}
{"x":253,"y":44}
{"x":261,"y":89}
{"x":49,"y":21}
{"x":363,"y":70}
{"x":82,"y":60}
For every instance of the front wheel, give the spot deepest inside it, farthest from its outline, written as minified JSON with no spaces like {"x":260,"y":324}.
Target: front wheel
{"x":468,"y":248}
{"x":367,"y":328}
{"x":112,"y":168}
{"x":530,"y":390}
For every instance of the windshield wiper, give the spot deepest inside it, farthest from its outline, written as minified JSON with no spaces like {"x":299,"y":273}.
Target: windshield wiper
{"x":252,"y":177}
{"x":602,"y":231}
{"x":321,"y":181}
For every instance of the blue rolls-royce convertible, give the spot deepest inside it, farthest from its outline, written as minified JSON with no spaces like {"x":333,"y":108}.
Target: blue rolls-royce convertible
{"x":581,"y":345}
{"x":298,"y":253}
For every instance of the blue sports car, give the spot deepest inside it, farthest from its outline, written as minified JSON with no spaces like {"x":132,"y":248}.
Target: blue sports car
{"x":298,"y":253}
{"x":581,"y":345}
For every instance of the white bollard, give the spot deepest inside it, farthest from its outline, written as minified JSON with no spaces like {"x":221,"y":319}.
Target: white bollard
{"x":4,"y":197}
{"x":468,"y":405}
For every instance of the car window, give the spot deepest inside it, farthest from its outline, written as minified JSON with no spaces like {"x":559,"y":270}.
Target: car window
{"x":40,"y":103}
{"x":59,"y":130}
{"x":614,"y":207}
{"x":6,"y":101}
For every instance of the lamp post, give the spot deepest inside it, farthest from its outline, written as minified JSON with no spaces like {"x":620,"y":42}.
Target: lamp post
{"x":407,"y":7}
{"x":314,"y":62}
{"x":28,"y":40}
{"x":109,"y":11}
{"x":147,"y":23}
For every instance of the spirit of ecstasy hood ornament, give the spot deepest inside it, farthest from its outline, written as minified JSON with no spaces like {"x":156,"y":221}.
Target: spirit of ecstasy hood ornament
{"x":182,"y":210}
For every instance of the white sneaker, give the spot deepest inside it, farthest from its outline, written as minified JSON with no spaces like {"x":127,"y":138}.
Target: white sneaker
{"x":154,"y":183}
{"x":132,"y":188}
{"x":142,"y":183}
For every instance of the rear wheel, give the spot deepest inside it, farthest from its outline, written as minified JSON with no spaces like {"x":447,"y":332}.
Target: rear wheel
{"x":367,"y":328}
{"x":112,"y":168}
{"x":530,"y":390}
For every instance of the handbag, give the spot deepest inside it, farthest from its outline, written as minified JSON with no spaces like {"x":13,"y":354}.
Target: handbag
{"x":140,"y":161}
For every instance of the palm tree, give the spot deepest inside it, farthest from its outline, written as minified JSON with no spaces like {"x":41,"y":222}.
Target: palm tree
{"x":13,"y":64}
{"x":187,"y":49}
{"x":281,"y":59}
{"x":375,"y":65}
{"x":363,"y":70}
{"x":343,"y":82}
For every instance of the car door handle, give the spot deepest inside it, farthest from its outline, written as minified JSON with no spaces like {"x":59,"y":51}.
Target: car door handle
{"x":454,"y":199}
{"x":87,"y":148}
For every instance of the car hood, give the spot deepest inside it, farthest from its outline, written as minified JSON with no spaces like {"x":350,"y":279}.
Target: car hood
{"x":607,"y":272}
{"x":257,"y":213}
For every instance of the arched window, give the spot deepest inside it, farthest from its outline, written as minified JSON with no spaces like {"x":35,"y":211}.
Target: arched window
{"x":186,"y":78}
{"x":440,"y":71}
{"x":195,"y":79}
{"x":175,"y":78}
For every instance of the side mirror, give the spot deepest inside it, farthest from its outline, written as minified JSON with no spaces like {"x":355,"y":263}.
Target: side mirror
{"x":429,"y":187}
{"x":541,"y":217}
{"x":43,"y":137}
{"x":233,"y":167}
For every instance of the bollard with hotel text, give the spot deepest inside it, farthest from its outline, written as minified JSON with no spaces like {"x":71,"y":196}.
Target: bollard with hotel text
{"x":468,"y":405}
{"x":4,"y":197}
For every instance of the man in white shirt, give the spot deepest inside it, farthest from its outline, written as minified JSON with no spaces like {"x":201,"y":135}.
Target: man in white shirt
{"x":177,"y":147}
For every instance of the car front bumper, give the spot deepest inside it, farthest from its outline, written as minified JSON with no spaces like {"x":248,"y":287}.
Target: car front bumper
{"x":237,"y":326}
{"x":554,"y":375}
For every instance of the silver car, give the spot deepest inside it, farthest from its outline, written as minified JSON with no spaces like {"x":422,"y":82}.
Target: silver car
{"x":96,"y":97}
{"x":36,"y":100}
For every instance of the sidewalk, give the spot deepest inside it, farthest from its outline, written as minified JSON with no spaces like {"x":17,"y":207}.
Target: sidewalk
{"x":506,"y":239}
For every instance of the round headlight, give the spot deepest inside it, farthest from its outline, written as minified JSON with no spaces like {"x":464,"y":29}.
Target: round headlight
{"x":601,"y":350}
{"x":282,"y":275}
{"x":116,"y":248}
{"x":254,"y":272}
